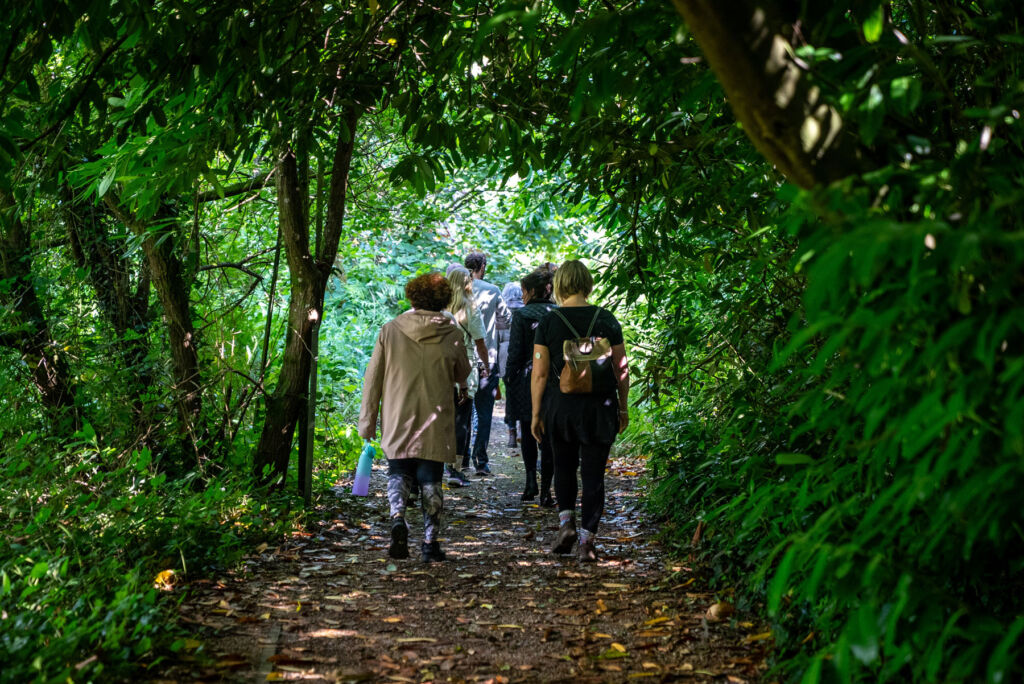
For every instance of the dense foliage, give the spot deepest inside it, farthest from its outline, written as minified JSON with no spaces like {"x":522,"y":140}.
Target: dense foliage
{"x":830,"y":371}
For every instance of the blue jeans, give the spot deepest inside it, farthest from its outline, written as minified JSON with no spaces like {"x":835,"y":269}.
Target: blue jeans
{"x":484,"y":402}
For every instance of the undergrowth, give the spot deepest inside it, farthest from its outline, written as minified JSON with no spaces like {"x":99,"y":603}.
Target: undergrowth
{"x":89,"y":537}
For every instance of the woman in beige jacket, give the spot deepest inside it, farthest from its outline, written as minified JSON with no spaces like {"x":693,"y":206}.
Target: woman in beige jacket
{"x":417,"y":358}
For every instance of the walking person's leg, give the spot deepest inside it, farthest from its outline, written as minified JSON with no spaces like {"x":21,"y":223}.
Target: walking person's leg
{"x":566,"y":456}
{"x":463,"y":417}
{"x":401,"y":474}
{"x":547,"y":472}
{"x":529,"y":445}
{"x":484,"y":402}
{"x":428,"y":473}
{"x":593,"y":461}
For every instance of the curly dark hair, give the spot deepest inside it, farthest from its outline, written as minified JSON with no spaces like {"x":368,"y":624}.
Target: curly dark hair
{"x":475,"y":261}
{"x":430,"y":292}
{"x":537,"y":283}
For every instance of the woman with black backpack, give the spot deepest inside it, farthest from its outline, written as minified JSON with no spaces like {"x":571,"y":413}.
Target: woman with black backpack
{"x":580,"y":386}
{"x":518,"y":368}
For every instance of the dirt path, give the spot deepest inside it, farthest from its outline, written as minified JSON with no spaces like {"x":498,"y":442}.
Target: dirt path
{"x":331,"y":606}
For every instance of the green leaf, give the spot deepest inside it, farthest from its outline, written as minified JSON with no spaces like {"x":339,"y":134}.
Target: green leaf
{"x":793,"y":459}
{"x":873,"y":24}
{"x":108,"y":179}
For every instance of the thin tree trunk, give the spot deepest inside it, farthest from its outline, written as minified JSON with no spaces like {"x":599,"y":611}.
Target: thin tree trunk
{"x":29,"y":331}
{"x":782,"y":113}
{"x":309,"y":276}
{"x":165,"y":271}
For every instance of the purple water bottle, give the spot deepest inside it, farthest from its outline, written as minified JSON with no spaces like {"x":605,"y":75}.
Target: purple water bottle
{"x":361,"y":485}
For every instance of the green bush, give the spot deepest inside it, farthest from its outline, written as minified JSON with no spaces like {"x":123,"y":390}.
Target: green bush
{"x":86,"y":535}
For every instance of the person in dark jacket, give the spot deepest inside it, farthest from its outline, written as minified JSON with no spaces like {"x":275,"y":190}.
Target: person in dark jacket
{"x":518,"y":368}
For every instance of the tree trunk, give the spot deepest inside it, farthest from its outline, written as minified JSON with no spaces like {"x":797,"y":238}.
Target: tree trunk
{"x":30,"y":332}
{"x":309,"y":276}
{"x":782,"y":113}
{"x":110,"y":274}
{"x":165,"y":271}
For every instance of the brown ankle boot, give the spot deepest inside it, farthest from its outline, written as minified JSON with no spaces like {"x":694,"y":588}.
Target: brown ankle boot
{"x":565,"y":539}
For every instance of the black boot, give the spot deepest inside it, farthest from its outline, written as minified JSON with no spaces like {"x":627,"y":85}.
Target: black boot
{"x":512,"y":436}
{"x":545,"y":488}
{"x":432,"y":552}
{"x":530,"y":492}
{"x":399,"y":539}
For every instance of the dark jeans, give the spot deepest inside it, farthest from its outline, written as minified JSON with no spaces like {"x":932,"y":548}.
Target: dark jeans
{"x":463,"y":429}
{"x":484,"y":401}
{"x":590,"y":460}
{"x":529,"y":445}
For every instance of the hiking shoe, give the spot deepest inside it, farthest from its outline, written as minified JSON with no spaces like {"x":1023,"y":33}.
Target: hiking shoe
{"x":586,"y":552}
{"x":399,"y":539}
{"x":483,"y":470}
{"x":565,"y":538}
{"x":546,"y":501}
{"x":457,"y":479}
{"x":432,"y":552}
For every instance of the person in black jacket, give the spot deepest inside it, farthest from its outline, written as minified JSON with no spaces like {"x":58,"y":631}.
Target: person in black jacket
{"x":518,"y":367}
{"x":581,"y":426}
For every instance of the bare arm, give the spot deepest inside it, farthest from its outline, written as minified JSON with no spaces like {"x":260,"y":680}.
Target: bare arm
{"x":538,"y":380}
{"x":481,"y":353}
{"x":620,"y":364}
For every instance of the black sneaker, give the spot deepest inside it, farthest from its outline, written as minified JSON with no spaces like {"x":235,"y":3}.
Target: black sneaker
{"x":399,"y":539}
{"x":483,"y":470}
{"x":457,"y":479}
{"x":432,"y":552}
{"x":565,"y":538}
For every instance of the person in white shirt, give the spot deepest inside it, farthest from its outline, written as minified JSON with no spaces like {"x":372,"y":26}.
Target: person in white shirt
{"x":492,"y":308}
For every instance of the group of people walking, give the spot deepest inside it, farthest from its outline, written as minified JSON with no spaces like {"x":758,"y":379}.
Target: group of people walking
{"x":436,"y":365}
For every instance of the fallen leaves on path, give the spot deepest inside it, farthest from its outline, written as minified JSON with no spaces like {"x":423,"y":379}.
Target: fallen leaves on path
{"x":327,"y":604}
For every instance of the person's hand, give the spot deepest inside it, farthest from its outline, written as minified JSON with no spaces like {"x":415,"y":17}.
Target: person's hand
{"x":623,"y":420}
{"x":536,"y":427}
{"x":463,"y":395}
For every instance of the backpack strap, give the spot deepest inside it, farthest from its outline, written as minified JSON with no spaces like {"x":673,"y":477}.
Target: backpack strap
{"x":593,"y":320}
{"x":566,"y":321}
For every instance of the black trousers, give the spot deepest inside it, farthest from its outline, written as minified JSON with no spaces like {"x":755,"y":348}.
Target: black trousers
{"x":529,"y":445}
{"x":463,"y":428}
{"x":590,"y":460}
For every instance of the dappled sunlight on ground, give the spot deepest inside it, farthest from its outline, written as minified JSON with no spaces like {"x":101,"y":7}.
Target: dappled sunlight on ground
{"x":331,"y":606}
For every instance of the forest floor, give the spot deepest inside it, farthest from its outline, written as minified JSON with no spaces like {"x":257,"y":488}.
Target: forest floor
{"x":327,"y":604}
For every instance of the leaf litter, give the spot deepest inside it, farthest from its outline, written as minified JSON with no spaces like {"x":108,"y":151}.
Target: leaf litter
{"x":340,"y":610}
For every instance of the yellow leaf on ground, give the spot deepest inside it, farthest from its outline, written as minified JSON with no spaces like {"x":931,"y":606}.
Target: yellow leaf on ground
{"x":760,"y":637}
{"x":395,"y":618}
{"x":164,"y":579}
{"x":651,"y":666}
{"x":509,"y":626}
{"x":410,"y":640}
{"x":618,"y":647}
{"x":655,"y":621}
